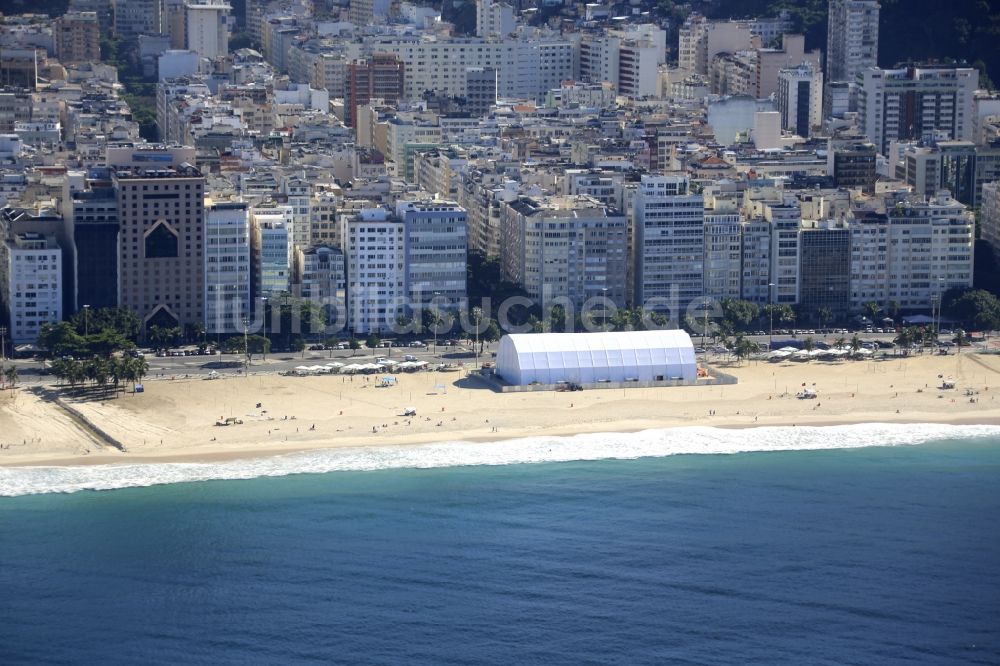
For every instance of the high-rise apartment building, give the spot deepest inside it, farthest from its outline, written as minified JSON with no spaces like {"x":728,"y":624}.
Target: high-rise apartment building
{"x":161,"y":245}
{"x":206,"y":27}
{"x":227,"y":266}
{"x":912,"y":254}
{"x":93,"y":217}
{"x":77,"y":37}
{"x":852,"y":38}
{"x":915,"y":103}
{"x":723,"y":255}
{"x":30,"y":284}
{"x":668,"y":251}
{"x":271,"y":241}
{"x":494,"y":19}
{"x":800,"y":99}
{"x":375,"y":256}
{"x":322,"y":280}
{"x":564,"y":248}
{"x":379,"y":77}
{"x":825,"y":269}
{"x":437,"y":252}
{"x":136,"y":17}
{"x":989,"y":220}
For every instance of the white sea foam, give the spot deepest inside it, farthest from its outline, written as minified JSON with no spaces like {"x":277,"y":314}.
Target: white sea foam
{"x":597,"y":446}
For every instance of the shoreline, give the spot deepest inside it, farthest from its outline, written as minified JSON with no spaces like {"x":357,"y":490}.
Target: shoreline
{"x":209,"y":457}
{"x":173,"y":421}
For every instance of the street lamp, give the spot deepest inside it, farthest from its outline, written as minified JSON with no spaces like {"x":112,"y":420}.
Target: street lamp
{"x":266,"y":339}
{"x":477,"y":314}
{"x":770,"y":313}
{"x":246,"y":347}
{"x":604,"y":308}
{"x":436,"y":319}
{"x":937,"y":326}
{"x":86,"y":320}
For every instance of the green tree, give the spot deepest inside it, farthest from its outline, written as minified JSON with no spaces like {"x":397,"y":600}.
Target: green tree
{"x":824,"y":316}
{"x":60,"y":339}
{"x":355,"y":345}
{"x":491,"y":333}
{"x":257,"y":344}
{"x":373,"y":341}
{"x":855,"y":344}
{"x":894,"y":309}
{"x":10,"y":376}
{"x":961,"y":339}
{"x":739,"y":314}
{"x":872,"y":309}
{"x":974,"y":307}
{"x":904,"y":340}
{"x":809,"y":344}
{"x":743,"y":348}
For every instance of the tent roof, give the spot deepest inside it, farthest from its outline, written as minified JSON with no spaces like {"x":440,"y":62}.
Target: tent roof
{"x":573,"y":342}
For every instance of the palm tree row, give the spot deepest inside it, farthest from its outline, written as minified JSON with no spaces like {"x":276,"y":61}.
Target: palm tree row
{"x":101,"y":371}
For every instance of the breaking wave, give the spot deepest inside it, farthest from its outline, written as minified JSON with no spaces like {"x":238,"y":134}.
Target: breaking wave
{"x":16,"y":481}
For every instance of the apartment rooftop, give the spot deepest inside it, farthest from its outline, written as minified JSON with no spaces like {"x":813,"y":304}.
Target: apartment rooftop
{"x":148,"y":173}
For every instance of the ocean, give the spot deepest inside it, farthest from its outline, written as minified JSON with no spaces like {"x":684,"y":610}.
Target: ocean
{"x":850,"y":545}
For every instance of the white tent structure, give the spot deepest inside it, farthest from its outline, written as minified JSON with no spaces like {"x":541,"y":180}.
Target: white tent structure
{"x":586,"y":358}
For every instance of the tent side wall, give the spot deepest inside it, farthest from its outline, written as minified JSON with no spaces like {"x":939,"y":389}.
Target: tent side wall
{"x":587,"y":358}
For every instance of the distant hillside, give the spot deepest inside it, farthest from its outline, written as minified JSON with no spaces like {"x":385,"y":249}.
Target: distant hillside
{"x":910,"y":30}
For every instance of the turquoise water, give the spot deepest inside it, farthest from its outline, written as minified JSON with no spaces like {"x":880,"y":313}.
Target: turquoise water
{"x":877,"y":555}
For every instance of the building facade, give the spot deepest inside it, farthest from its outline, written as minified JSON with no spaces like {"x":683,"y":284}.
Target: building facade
{"x":31,"y":284}
{"x":852,"y":38}
{"x":668,"y":244}
{"x":917,"y":104}
{"x":227,"y":266}
{"x":161,"y":253}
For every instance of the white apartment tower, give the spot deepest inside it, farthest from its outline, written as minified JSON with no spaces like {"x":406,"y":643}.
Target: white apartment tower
{"x":227,"y":266}
{"x":31,"y":280}
{"x":913,"y":104}
{"x":374,"y":247}
{"x":206,"y":27}
{"x":667,"y":244}
{"x":913,"y":254}
{"x":852,"y":38}
{"x":494,"y":19}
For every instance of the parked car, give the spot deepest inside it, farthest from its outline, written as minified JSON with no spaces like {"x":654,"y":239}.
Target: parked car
{"x":409,"y":357}
{"x":417,"y":344}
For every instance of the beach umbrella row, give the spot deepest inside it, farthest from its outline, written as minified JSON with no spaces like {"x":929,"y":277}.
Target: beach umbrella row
{"x":353,"y":368}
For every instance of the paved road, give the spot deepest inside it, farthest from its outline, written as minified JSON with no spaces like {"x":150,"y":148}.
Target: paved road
{"x":31,"y":371}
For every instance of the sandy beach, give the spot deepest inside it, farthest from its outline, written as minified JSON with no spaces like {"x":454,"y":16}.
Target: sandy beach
{"x":174,"y":419}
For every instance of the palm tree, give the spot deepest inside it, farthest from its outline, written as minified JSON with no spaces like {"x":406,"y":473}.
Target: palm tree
{"x":744,"y":348}
{"x":809,"y":344}
{"x":116,"y":368}
{"x":10,"y":376}
{"x":961,"y":339}
{"x":140,"y":366}
{"x":894,"y":309}
{"x":840,"y":342}
{"x":855,"y":344}
{"x":905,"y":340}
{"x":825,"y":316}
{"x":872,"y":309}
